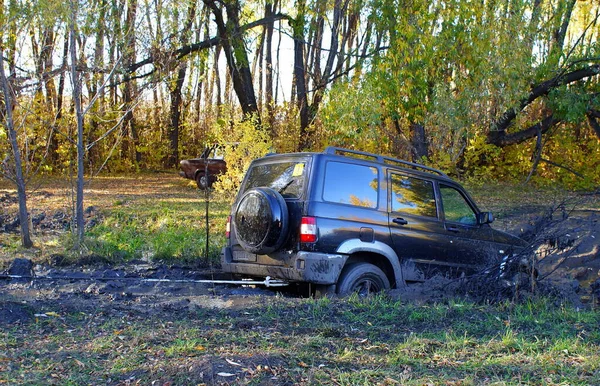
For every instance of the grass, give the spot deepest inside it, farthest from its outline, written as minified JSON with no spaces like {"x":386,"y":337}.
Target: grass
{"x":306,"y":341}
{"x":150,"y":217}
{"x":161,"y":216}
{"x":160,"y":231}
{"x":274,"y":340}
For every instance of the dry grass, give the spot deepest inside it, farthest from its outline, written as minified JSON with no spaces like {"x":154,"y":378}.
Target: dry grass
{"x":136,"y":196}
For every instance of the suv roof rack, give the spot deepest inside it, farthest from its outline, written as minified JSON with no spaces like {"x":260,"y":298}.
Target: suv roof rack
{"x":383,"y":160}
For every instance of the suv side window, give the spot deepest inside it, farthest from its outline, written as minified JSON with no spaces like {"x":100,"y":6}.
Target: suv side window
{"x":456,"y":208}
{"x":351,"y":184}
{"x":413,"y":196}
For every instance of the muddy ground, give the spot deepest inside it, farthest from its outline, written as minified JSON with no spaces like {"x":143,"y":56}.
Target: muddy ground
{"x":569,"y":267}
{"x":570,"y":274}
{"x":113,"y":290}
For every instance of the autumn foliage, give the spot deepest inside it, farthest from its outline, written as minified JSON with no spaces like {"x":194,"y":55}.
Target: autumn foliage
{"x":484,"y":91}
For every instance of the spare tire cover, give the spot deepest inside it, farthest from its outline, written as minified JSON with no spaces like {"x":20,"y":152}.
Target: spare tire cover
{"x":261,"y":220}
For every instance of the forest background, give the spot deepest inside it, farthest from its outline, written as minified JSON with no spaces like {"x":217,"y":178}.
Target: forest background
{"x":485,"y":90}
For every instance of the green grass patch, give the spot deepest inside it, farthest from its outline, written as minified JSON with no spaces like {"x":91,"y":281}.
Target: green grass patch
{"x":150,"y":230}
{"x":307,"y":341}
{"x":147,"y":216}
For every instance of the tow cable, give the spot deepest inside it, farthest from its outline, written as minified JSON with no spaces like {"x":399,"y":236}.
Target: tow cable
{"x":268,"y":282}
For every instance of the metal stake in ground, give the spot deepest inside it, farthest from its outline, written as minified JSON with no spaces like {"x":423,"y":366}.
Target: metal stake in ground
{"x":206,"y":201}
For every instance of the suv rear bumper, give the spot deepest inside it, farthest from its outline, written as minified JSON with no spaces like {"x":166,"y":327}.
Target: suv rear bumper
{"x":311,"y":267}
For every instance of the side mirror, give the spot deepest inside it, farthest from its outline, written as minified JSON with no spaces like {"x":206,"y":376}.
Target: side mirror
{"x":486,"y":217}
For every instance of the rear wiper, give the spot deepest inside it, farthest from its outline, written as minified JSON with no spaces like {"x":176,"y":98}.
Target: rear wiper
{"x":284,"y":187}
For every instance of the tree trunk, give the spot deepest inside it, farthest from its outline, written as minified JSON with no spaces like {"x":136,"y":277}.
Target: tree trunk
{"x":112,"y":51}
{"x":593,"y":117}
{"x":269,"y":69}
{"x":93,"y":153}
{"x":216,"y":83}
{"x":300,"y":73}
{"x":258,"y":63}
{"x":176,"y":95}
{"x":202,"y":82}
{"x":11,"y":43}
{"x":16,"y":153}
{"x":561,"y":31}
{"x":130,"y":134}
{"x":53,"y":155}
{"x":232,"y":42}
{"x":418,"y":139}
{"x":51,"y":95}
{"x":61,"y":89}
{"x":175,"y":114}
{"x":130,"y":137}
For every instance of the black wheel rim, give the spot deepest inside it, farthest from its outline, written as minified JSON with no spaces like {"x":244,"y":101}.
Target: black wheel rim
{"x":366,"y":287}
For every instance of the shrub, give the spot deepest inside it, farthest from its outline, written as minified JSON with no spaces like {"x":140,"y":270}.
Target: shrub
{"x":243,"y":142}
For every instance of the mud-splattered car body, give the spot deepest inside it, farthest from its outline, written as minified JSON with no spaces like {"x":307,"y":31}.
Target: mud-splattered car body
{"x":355,"y":221}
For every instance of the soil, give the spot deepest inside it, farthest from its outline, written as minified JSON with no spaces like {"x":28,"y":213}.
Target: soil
{"x":145,"y":289}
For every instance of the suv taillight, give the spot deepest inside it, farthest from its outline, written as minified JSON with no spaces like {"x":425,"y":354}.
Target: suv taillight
{"x":308,"y":230}
{"x":228,"y":227}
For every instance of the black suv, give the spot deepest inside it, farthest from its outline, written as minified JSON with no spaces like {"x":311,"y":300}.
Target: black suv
{"x":350,"y":221}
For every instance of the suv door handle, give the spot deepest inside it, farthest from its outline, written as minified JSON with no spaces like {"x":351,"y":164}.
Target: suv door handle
{"x":400,"y":221}
{"x":453,"y":229}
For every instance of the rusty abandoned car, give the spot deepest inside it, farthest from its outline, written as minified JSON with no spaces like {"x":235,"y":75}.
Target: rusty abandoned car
{"x":348,"y":221}
{"x":206,"y":169}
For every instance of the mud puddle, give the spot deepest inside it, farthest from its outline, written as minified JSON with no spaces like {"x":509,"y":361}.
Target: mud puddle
{"x":117,"y":290}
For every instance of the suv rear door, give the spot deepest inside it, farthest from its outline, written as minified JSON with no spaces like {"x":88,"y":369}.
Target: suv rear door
{"x":419,"y":237}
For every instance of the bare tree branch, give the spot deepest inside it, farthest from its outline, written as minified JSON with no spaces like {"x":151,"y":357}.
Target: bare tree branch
{"x":185,"y":50}
{"x":501,"y":138}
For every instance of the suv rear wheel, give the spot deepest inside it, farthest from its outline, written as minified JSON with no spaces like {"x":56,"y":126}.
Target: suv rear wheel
{"x":362,"y":278}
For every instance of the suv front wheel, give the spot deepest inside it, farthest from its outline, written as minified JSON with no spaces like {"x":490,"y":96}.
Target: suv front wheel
{"x":362,"y":278}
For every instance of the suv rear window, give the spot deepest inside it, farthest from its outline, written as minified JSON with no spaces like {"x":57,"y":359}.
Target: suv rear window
{"x":285,"y":177}
{"x":351,"y":184}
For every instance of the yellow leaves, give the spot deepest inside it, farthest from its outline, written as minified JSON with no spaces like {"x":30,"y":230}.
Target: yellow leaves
{"x":302,"y":364}
{"x":243,"y":142}
{"x":46,"y":315}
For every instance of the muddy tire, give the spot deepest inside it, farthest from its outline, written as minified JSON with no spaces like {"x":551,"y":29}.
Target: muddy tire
{"x":362,"y":278}
{"x":202,"y":182}
{"x":261,"y":221}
